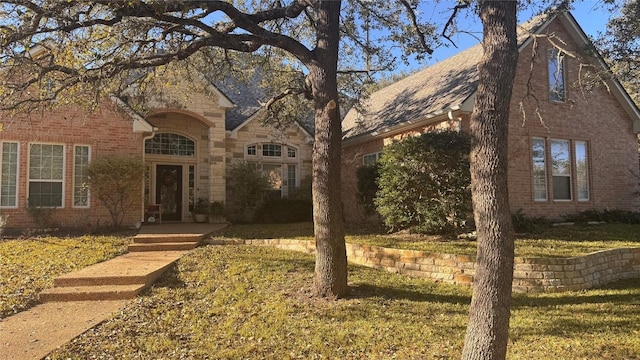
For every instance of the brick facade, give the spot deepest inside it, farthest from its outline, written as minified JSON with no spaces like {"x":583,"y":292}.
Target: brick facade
{"x":593,"y":116}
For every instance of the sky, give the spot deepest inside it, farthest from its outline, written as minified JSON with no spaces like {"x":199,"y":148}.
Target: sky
{"x":590,"y":14}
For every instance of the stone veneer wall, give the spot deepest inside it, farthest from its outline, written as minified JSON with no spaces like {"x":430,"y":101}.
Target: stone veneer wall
{"x":530,"y":275}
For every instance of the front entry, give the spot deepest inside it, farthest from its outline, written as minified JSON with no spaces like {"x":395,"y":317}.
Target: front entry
{"x":169,"y":191}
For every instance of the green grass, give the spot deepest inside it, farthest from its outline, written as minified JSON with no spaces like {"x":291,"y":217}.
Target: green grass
{"x":28,"y":266}
{"x":562,"y":241}
{"x":243,"y":302}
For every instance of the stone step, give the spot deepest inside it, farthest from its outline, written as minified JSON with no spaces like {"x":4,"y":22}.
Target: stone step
{"x":166,"y":238}
{"x":170,"y":246}
{"x":98,"y":292}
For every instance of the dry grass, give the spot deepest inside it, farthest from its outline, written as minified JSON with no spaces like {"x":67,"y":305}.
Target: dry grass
{"x":27,"y":266}
{"x":241,"y":302}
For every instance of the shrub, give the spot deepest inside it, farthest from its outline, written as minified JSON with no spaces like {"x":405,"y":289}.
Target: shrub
{"x":277,"y":211}
{"x":248,"y":187}
{"x":368,"y":186}
{"x":116,"y":181}
{"x":425,"y":183}
{"x":528,"y":224}
{"x":610,"y":216}
{"x":41,"y":215}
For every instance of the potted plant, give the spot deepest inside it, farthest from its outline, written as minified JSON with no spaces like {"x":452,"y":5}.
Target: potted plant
{"x":217,"y":212}
{"x":201,"y":210}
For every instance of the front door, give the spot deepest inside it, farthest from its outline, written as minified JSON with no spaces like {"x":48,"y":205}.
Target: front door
{"x":169,"y":191}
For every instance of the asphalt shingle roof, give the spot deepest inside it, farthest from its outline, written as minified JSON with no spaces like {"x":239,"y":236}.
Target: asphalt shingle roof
{"x":436,"y":89}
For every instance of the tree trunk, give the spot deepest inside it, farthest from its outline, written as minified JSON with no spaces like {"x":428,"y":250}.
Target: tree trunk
{"x":330,"y":279}
{"x":488,"y":329}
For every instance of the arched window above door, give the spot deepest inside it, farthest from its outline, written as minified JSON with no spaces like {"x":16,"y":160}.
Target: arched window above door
{"x":170,"y":144}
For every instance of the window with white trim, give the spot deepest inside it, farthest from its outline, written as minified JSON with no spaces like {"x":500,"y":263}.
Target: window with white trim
{"x":370,"y":159}
{"x":539,"y":169}
{"x":568,"y":162}
{"x":81,"y":158}
{"x":272,"y":150}
{"x":9,"y":175}
{"x":170,"y":144}
{"x":557,"y":91}
{"x":291,"y":152}
{"x":251,"y":150}
{"x":46,"y":175}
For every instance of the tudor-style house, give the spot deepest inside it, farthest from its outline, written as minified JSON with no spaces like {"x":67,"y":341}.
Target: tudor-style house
{"x":571,"y":147}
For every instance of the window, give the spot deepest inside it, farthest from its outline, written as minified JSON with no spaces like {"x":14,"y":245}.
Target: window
{"x":9,"y":175}
{"x":274,"y":173}
{"x":170,"y":144}
{"x":271,"y":150}
{"x":565,"y":158}
{"x":251,"y":150}
{"x":80,"y":176}
{"x":291,"y":180}
{"x":582,"y":174}
{"x":556,"y":76}
{"x":46,"y":169}
{"x":371,"y":159}
{"x":561,"y":169}
{"x":539,"y":169}
{"x":291,"y":152}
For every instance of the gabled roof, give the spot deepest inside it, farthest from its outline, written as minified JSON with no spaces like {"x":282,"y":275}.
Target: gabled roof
{"x":449,"y":86}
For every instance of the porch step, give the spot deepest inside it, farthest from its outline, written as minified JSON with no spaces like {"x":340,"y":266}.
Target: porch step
{"x":97,"y":292}
{"x":165,"y":246}
{"x":166,"y":238}
{"x":123,"y":277}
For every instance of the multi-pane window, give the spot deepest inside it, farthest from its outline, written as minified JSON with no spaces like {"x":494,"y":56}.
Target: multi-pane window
{"x":274,"y":174}
{"x":46,"y":169}
{"x":539,"y":169}
{"x":291,"y":179}
{"x":170,"y":144}
{"x":291,"y":152}
{"x":192,"y":186}
{"x":9,"y":175}
{"x":561,"y":169}
{"x":251,"y":150}
{"x":569,"y":169}
{"x":371,"y":159}
{"x":272,"y":150}
{"x":80,"y":176}
{"x":582,"y":173}
{"x":557,"y":91}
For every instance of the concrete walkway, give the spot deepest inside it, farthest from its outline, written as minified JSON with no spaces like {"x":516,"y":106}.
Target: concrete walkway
{"x":34,"y":333}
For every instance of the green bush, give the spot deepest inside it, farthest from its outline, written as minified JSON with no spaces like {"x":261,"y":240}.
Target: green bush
{"x":610,"y":216}
{"x":117,"y":182}
{"x":528,"y":224}
{"x":425,"y":183}
{"x":368,"y":186}
{"x":278,"y":211}
{"x":247,"y":187}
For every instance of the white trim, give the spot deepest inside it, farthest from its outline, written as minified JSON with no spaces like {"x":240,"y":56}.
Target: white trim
{"x":73,"y":177}
{"x":570,"y":165}
{"x":139,"y":123}
{"x":234,"y":133}
{"x":15,"y":205}
{"x":545,"y":177}
{"x":64,"y":170}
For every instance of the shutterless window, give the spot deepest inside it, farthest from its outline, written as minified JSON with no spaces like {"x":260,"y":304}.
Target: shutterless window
{"x":371,"y":159}
{"x":9,"y":175}
{"x":582,"y":171}
{"x":291,"y":152}
{"x":80,"y":176}
{"x":561,"y":169}
{"x":46,"y":170}
{"x":557,"y":91}
{"x":170,"y":144}
{"x":272,"y":150}
{"x":274,"y":174}
{"x":539,"y":169}
{"x":291,"y":180}
{"x":251,"y":150}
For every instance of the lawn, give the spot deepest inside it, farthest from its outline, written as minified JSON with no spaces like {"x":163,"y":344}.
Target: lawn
{"x":243,"y":302}
{"x":561,"y":241}
{"x":27,"y":266}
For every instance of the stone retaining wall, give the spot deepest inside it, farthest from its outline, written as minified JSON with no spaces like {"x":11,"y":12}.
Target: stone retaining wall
{"x":530,"y":274}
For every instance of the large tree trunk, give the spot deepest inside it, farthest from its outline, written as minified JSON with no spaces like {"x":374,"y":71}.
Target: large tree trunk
{"x":488,"y":329}
{"x":330,"y":279}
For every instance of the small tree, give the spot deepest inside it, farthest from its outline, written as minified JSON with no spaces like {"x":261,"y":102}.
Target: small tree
{"x":116,"y":181}
{"x":248,"y":186}
{"x":368,"y":186}
{"x":425,"y":183}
